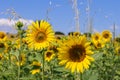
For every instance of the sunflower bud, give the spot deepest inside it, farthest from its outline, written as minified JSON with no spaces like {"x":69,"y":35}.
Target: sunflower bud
{"x":19,"y":25}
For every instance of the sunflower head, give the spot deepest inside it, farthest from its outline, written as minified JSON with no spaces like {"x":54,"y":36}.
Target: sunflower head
{"x":116,"y":41}
{"x":1,"y":56}
{"x":36,"y":63}
{"x":49,"y":55}
{"x":34,"y":71}
{"x":106,"y":35}
{"x":76,"y":33}
{"x":99,"y":44}
{"x":96,"y":37}
{"x":40,"y":34}
{"x":118,"y":50}
{"x":3,"y":47}
{"x":3,"y":36}
{"x":75,"y":53}
{"x":53,"y":48}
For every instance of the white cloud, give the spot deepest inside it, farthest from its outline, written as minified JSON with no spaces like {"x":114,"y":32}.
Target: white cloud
{"x":5,"y":22}
{"x":8,"y":25}
{"x":9,"y":22}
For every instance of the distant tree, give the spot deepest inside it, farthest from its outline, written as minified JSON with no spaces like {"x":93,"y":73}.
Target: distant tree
{"x":70,"y":33}
{"x":59,"y":33}
{"x":87,"y":34}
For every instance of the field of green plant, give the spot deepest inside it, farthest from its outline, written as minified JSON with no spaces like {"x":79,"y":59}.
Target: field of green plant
{"x":37,"y":53}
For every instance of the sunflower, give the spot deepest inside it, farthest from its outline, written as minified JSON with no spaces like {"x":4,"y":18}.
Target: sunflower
{"x":106,"y":35}
{"x":96,"y":36}
{"x":36,"y":67}
{"x":1,"y":56}
{"x":3,"y":36}
{"x":3,"y":47}
{"x":99,"y":44}
{"x":118,"y":50}
{"x":76,"y":33}
{"x":35,"y":71}
{"x":75,"y":53}
{"x":54,"y":46}
{"x":39,"y":35}
{"x":36,"y":63}
{"x":49,"y":55}
{"x":22,"y":60}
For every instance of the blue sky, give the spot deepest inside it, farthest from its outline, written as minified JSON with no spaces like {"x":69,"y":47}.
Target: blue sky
{"x":104,"y":13}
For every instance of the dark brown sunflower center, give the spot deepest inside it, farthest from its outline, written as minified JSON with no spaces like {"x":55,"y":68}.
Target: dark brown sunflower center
{"x":99,"y":45}
{"x":2,"y":36}
{"x":12,"y":36}
{"x":2,"y":45}
{"x":76,"y":34}
{"x":77,"y":53}
{"x":48,"y":54}
{"x":106,"y":35}
{"x":96,"y":37}
{"x":40,"y":37}
{"x":54,"y":48}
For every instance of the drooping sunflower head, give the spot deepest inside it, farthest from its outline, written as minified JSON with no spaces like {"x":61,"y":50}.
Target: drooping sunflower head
{"x":106,"y":35}
{"x":40,"y":34}
{"x":75,"y":54}
{"x":3,"y":36}
{"x":49,"y":55}
{"x":96,"y":37}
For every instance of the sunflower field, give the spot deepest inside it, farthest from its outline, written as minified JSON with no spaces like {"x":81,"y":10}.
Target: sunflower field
{"x":37,"y":53}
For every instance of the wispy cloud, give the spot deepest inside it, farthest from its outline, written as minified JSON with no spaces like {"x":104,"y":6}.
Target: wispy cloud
{"x":95,"y":30}
{"x":112,"y":27}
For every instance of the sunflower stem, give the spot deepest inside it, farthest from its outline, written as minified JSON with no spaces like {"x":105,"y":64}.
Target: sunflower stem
{"x":9,"y":59}
{"x":19,"y":54}
{"x":80,"y":76}
{"x":43,"y":66}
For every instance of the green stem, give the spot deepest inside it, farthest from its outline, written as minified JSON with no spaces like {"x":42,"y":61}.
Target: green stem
{"x":43,"y":67}
{"x":51,"y":69}
{"x":20,"y":50}
{"x":9,"y":59}
{"x":80,"y":76}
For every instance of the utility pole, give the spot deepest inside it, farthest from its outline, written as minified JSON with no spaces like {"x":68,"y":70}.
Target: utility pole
{"x":89,"y":24}
{"x":114,"y":31}
{"x":47,"y":12}
{"x":77,"y":24}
